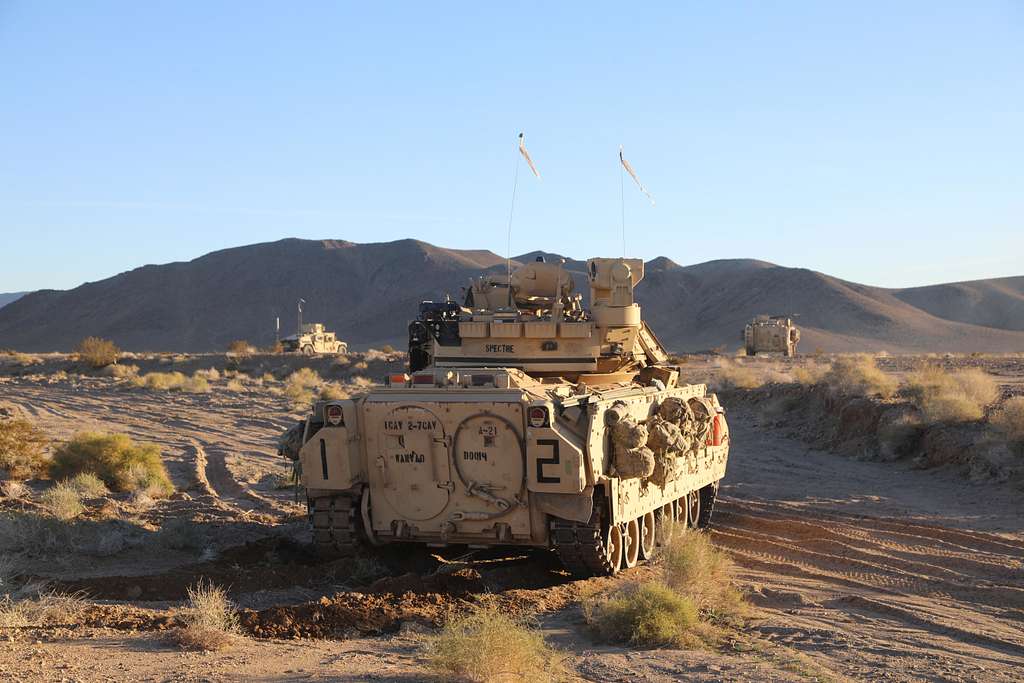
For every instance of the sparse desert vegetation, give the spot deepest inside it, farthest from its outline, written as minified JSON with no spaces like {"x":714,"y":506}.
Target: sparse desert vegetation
{"x":488,"y":644}
{"x":198,"y":383}
{"x":951,"y":396}
{"x":859,"y":375}
{"x":121,"y":463}
{"x":299,"y":385}
{"x":688,"y":603}
{"x":240,"y":347}
{"x":210,"y":620}
{"x":22,"y":448}
{"x":97,"y":352}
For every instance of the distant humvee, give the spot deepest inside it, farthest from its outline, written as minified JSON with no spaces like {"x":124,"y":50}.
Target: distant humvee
{"x":771,"y":334}
{"x":314,"y":339}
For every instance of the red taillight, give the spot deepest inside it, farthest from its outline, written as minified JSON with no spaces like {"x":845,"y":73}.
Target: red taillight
{"x":538,"y":416}
{"x":335,"y":415}
{"x":426,"y":378}
{"x":398,"y":380}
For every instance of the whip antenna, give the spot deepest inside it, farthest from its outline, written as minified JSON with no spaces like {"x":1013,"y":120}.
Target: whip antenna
{"x":622,"y":193}
{"x":512,"y":208}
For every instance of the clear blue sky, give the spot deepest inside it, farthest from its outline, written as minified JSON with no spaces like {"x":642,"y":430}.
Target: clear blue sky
{"x":880,"y":142}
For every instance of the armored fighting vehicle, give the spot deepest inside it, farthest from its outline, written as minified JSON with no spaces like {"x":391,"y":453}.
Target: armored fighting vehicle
{"x":771,"y":334}
{"x":312,"y":339}
{"x":524,"y":420}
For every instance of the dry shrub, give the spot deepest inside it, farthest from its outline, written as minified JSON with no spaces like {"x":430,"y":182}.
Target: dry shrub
{"x":22,"y":448}
{"x":196,"y":384}
{"x":957,"y":396}
{"x":122,"y":464}
{"x":160,"y":380}
{"x":239,"y":347}
{"x":209,"y":374}
{"x":332,"y":392}
{"x":694,"y":568}
{"x":121,"y":371}
{"x":859,"y":375}
{"x":88,"y":485}
{"x":34,"y":607}
{"x":210,"y":620}
{"x":358,"y":366}
{"x":174,"y":381}
{"x":1009,"y":419}
{"x":735,"y":376}
{"x":24,"y":359}
{"x":62,"y":501}
{"x":810,"y":374}
{"x":643,"y":614}
{"x":360,"y":382}
{"x":299,"y":386}
{"x":688,"y":605}
{"x":235,"y":385}
{"x":268,"y":377}
{"x":13,"y":489}
{"x":488,"y":644}
{"x":97,"y":352}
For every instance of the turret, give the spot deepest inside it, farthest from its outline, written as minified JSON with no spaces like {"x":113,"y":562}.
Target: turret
{"x":532,"y":320}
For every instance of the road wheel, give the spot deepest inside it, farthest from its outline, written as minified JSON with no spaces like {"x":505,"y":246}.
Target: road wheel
{"x":648,"y":536}
{"x":666,"y":520}
{"x":692,"y":509}
{"x":614,"y":546}
{"x":632,"y":549}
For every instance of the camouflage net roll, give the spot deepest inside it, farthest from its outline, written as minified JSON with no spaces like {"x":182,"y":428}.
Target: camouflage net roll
{"x":634,"y":463}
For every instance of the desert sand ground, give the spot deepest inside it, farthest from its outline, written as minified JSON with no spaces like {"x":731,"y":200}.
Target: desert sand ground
{"x":856,"y":570}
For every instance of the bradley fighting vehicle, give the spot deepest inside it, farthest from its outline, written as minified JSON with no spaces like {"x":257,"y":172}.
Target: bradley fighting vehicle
{"x":771,"y":334}
{"x":524,"y":420}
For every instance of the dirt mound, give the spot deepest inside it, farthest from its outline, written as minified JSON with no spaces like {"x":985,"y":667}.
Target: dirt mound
{"x":879,"y":429}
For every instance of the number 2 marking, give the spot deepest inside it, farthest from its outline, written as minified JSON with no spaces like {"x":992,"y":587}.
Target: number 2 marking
{"x":553,"y":460}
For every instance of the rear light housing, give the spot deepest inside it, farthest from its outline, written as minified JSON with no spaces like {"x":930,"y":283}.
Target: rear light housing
{"x":334,"y":415}
{"x":538,"y":416}
{"x":423,"y":378}
{"x":398,"y":380}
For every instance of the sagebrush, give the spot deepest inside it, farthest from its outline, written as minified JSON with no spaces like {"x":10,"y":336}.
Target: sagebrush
{"x":210,"y":620}
{"x":22,"y":449}
{"x":489,"y":644}
{"x":951,"y":396}
{"x":97,"y":352}
{"x":121,"y":463}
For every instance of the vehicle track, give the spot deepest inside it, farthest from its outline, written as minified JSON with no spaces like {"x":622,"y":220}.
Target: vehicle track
{"x":865,"y":566}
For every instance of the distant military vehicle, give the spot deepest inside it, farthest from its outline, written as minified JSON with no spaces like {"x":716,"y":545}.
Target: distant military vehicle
{"x":771,"y":334}
{"x":312,"y":339}
{"x":523,"y":420}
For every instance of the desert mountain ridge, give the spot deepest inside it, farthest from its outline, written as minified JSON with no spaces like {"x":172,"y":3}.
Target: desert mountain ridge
{"x":369,"y":292}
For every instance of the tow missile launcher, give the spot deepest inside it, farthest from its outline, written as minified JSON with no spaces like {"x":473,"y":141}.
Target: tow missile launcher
{"x":771,"y":335}
{"x":524,"y":420}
